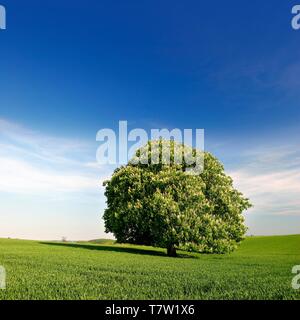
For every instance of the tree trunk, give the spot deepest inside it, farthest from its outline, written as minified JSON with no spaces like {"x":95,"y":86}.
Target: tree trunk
{"x":171,"y":251}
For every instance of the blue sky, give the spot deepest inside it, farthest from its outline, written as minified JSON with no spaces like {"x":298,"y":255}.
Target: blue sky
{"x":68,"y":69}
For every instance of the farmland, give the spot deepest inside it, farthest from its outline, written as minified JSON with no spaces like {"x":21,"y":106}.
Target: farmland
{"x":259,"y":269}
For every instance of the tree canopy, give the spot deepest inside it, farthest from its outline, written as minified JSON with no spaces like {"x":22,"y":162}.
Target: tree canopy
{"x":159,"y":204}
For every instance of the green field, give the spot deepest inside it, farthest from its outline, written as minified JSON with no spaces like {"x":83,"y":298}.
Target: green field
{"x":259,"y":269}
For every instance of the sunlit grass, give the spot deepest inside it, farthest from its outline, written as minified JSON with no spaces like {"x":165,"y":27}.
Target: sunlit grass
{"x":259,"y":269}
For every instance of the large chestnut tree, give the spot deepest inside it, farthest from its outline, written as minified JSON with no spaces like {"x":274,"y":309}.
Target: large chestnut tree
{"x":162,"y":205}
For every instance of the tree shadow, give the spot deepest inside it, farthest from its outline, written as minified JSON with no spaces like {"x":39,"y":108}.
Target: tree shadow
{"x":114,"y":248}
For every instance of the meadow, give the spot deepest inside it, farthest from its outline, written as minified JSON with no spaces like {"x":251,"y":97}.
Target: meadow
{"x":259,"y":269}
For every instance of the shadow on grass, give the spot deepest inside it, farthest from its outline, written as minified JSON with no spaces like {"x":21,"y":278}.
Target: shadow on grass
{"x":114,"y":248}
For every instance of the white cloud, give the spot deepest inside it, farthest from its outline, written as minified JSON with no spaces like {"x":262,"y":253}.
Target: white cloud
{"x":34,"y":163}
{"x":27,"y":142}
{"x":270,"y":177}
{"x":49,"y":185}
{"x":19,"y":176}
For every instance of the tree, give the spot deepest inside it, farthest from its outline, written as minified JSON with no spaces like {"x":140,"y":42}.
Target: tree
{"x":159,"y":204}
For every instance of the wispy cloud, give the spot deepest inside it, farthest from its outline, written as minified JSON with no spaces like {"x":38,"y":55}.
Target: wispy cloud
{"x":271,"y":81}
{"x":270,"y":177}
{"x":17,"y":138}
{"x":19,"y":176}
{"x":34,"y":163}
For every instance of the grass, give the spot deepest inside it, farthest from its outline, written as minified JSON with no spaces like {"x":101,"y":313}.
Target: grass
{"x":259,"y":269}
{"x":103,"y":241}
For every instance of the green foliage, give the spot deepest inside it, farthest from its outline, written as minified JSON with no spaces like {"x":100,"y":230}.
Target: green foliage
{"x":158,"y":203}
{"x":259,"y":269}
